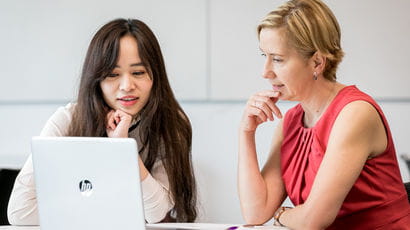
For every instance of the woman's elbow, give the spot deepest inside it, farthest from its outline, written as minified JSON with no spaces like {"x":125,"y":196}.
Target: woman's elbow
{"x":19,"y":220}
{"x":315,"y":226}
{"x":318,"y":222}
{"x":18,"y":216}
{"x":254,"y":218}
{"x":13,"y":218}
{"x":253,"y":221}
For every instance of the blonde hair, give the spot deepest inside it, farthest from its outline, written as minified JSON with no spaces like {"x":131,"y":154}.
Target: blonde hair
{"x":309,"y":26}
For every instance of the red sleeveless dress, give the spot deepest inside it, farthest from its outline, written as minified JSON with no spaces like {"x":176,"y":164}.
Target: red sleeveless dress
{"x":377,"y":200}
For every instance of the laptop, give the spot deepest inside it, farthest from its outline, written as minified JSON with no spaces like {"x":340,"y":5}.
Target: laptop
{"x":87,"y":183}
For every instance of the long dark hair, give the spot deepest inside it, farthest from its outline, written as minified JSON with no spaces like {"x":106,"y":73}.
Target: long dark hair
{"x":163,"y":122}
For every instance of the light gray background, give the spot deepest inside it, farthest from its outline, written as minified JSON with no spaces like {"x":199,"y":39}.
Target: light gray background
{"x":212,"y":56}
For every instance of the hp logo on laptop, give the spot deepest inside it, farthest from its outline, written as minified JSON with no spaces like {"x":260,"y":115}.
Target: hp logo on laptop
{"x":86,"y":188}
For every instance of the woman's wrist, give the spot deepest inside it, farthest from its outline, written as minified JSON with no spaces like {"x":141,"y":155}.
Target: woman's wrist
{"x":278,"y":214}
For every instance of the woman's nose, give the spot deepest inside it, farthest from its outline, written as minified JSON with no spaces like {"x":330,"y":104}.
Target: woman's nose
{"x":268,"y":69}
{"x":127,"y":84}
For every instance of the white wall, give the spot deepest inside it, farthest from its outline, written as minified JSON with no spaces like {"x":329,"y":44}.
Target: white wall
{"x":44,"y":43}
{"x":210,"y":46}
{"x":212,"y":56}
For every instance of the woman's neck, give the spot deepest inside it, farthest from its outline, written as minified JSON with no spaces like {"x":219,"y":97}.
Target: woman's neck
{"x":318,"y":101}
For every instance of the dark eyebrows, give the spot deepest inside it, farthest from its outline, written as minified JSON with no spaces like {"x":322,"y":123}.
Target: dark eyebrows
{"x":137,"y":64}
{"x":132,"y":65}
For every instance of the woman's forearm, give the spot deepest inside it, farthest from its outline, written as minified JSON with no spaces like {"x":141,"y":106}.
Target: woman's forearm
{"x":251,"y":185}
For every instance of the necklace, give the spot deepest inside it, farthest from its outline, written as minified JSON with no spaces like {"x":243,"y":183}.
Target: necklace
{"x":322,"y":108}
{"x":311,"y":120}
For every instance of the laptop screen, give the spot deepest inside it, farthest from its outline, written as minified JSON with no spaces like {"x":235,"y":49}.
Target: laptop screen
{"x":87,"y":183}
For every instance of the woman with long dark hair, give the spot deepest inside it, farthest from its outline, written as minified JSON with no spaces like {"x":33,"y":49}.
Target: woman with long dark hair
{"x":125,"y":92}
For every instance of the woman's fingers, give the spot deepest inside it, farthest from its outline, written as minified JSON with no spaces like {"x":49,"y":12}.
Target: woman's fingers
{"x":260,"y":108}
{"x":117,"y":118}
{"x":271,"y":103}
{"x":110,"y":120}
{"x":270,"y":98}
{"x":123,"y":117}
{"x":260,"y":115}
{"x":265,"y":101}
{"x":277,"y":111}
{"x":263,"y":110}
{"x":118,"y":123}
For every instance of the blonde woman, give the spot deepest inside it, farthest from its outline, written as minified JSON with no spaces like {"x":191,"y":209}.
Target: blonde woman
{"x":333,"y":153}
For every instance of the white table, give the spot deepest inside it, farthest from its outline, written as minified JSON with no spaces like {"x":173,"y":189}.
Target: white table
{"x":207,"y":226}
{"x":20,"y":227}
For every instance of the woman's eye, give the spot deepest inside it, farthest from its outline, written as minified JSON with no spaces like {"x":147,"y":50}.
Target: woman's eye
{"x":138,"y":73}
{"x":263,"y":55}
{"x":113,"y":75}
{"x":277,"y":60}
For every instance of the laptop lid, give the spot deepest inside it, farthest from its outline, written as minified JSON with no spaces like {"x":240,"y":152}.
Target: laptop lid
{"x":87,"y":183}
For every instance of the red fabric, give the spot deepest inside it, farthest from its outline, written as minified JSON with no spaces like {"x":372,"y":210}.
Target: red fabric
{"x":377,"y":200}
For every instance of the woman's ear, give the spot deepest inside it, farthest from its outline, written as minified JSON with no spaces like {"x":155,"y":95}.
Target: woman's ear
{"x":319,"y":62}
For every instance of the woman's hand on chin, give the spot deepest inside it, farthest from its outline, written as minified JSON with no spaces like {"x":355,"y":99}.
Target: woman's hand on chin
{"x":118,"y":123}
{"x":260,"y":108}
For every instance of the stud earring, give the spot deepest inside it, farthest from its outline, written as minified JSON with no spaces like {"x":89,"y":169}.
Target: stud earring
{"x":315,"y":76}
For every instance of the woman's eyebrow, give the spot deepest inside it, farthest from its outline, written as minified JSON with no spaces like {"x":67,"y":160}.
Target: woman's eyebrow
{"x":271,"y":54}
{"x":134,"y":64}
{"x":137,"y":64}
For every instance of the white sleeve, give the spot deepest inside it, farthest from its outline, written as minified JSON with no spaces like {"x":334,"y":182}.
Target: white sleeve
{"x":156,"y":196}
{"x":22,"y":207}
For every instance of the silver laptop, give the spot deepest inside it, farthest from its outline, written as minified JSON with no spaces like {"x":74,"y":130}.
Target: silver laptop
{"x":87,"y":183}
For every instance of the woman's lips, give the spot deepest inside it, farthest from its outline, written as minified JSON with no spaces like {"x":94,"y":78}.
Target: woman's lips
{"x":128,"y":100}
{"x":277,"y":87}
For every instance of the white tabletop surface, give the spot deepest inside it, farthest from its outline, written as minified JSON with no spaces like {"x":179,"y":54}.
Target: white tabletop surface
{"x":211,"y":226}
{"x":20,"y":227}
{"x":207,"y":226}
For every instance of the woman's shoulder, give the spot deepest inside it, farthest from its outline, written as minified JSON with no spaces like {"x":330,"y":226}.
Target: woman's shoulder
{"x":64,"y":113}
{"x":58,"y":123}
{"x":293,"y":115}
{"x":351,"y":93}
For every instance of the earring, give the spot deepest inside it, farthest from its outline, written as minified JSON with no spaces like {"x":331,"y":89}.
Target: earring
{"x":315,"y":76}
